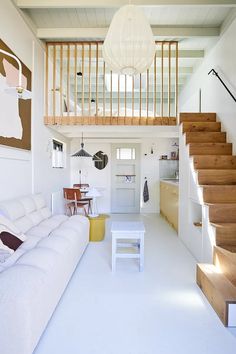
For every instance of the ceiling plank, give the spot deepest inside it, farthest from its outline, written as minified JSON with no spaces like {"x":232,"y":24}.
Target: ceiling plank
{"x":116,"y":3}
{"x":100,"y":33}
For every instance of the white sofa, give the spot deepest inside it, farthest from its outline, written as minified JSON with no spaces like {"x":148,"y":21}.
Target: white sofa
{"x":33,"y":279}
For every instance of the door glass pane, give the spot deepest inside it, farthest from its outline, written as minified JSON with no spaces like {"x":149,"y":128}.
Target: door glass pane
{"x":125,"y":154}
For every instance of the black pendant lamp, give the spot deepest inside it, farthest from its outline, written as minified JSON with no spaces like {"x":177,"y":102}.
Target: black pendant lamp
{"x":82,"y":152}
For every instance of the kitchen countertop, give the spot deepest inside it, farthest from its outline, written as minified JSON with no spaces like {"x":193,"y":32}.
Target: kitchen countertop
{"x":172,"y":181}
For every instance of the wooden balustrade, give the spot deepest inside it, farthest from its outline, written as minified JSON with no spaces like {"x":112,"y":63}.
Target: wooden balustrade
{"x":80,"y":88}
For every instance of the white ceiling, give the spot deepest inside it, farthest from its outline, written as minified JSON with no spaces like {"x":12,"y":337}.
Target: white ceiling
{"x":161,"y":16}
{"x":196,"y":24}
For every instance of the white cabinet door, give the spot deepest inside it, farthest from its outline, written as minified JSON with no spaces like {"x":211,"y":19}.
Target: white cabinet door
{"x":125,"y":178}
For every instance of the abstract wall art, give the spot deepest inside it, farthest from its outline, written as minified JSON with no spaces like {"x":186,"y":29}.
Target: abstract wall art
{"x":15,"y":113}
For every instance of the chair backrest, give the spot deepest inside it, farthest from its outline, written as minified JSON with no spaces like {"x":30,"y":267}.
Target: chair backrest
{"x":81,"y":185}
{"x":72,"y":194}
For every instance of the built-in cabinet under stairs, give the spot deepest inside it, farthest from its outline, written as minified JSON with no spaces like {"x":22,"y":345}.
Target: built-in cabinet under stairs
{"x":216,"y":174}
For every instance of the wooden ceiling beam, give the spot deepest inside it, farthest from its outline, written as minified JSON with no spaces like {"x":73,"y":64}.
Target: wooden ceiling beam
{"x":161,"y":32}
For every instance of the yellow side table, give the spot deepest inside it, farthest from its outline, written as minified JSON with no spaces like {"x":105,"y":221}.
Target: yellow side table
{"x":97,"y":227}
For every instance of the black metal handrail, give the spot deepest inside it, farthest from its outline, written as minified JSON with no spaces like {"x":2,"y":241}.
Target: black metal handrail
{"x":217,"y":75}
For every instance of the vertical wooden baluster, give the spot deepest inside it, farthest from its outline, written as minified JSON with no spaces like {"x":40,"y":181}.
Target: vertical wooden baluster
{"x":140,"y":95}
{"x":82,"y":79}
{"x":118,"y":95}
{"x":46,"y":83}
{"x":169,"y":79}
{"x":68,"y":79}
{"x":96,"y":79}
{"x":61,"y":81}
{"x":111,"y":96}
{"x":75,"y":80}
{"x":132,"y":96}
{"x":155,"y":85}
{"x":176,"y":78}
{"x":54,"y":81}
{"x":162,"y":79}
{"x":125,"y":95}
{"x":147,"y":91}
{"x":104,"y":92}
{"x":89,"y":79}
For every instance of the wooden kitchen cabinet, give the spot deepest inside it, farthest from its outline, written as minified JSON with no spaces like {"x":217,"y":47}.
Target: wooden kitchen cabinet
{"x":169,"y":202}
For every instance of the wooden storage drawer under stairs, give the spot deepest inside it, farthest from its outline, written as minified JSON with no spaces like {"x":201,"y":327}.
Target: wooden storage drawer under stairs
{"x":220,"y":292}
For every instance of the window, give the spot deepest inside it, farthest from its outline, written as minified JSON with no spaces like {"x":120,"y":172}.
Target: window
{"x":58,"y":154}
{"x":125,"y":154}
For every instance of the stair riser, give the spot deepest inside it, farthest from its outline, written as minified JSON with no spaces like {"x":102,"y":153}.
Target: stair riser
{"x":201,"y":127}
{"x":211,"y":149}
{"x":215,"y":177}
{"x":227,"y":267}
{"x":222,"y":213}
{"x":197,"y":137}
{"x":197,"y":117}
{"x":225,"y":237}
{"x":219,"y":194}
{"x":212,"y":296}
{"x":214,"y":162}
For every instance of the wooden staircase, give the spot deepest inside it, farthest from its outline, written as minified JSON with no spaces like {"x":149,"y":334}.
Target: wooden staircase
{"x":216,"y":172}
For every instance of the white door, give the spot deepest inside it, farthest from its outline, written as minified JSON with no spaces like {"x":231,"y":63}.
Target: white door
{"x":125,"y":178}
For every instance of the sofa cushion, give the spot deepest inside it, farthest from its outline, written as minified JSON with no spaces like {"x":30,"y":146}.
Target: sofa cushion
{"x":39,"y":201}
{"x":13,"y":258}
{"x":45,"y":212}
{"x":28,"y":204}
{"x":39,"y":231}
{"x":30,"y":243}
{"x":58,"y":244}
{"x":35,"y":217}
{"x":53,"y":222}
{"x":12,"y":209}
{"x":11,"y":227}
{"x":24,"y":224}
{"x":42,"y":258}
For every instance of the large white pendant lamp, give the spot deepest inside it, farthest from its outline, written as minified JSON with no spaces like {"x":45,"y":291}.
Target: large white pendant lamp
{"x":129,"y":46}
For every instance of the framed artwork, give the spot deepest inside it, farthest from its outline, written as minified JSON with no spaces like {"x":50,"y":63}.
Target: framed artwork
{"x":15,"y":114}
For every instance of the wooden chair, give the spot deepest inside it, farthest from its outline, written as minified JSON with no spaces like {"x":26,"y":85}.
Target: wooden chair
{"x":74,"y":201}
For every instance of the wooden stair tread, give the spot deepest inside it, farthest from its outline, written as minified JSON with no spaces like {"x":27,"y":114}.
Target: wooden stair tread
{"x":201,"y":137}
{"x":196,"y":117}
{"x":210,"y":148}
{"x":214,"y":161}
{"x":216,"y":177}
{"x":201,"y":126}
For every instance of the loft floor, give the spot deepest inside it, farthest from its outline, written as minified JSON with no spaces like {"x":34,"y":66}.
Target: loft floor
{"x":161,"y":310}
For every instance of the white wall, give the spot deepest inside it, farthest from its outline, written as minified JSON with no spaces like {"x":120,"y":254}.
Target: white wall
{"x":214,"y":96}
{"x":102,"y":178}
{"x":24,"y":172}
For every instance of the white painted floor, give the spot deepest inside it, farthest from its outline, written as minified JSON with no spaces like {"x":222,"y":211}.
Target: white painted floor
{"x":159,"y":311}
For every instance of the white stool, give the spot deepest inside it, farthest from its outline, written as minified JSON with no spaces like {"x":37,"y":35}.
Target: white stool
{"x":127,"y":234}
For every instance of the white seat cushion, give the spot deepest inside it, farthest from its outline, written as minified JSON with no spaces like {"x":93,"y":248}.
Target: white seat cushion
{"x":42,"y":258}
{"x":39,"y":231}
{"x":52,"y":222}
{"x":24,"y":224}
{"x":30,"y":243}
{"x":58,"y":244}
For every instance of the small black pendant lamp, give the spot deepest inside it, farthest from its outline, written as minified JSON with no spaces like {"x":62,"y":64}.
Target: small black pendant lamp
{"x":82,"y":152}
